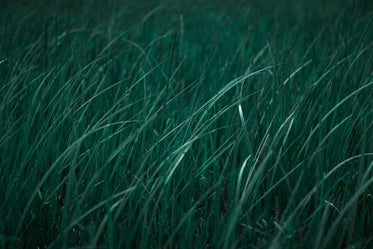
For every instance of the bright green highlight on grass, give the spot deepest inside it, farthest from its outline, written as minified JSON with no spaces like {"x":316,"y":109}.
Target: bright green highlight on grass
{"x":177,"y":124}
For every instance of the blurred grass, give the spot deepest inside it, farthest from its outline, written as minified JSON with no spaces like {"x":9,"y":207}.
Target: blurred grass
{"x":165,"y":124}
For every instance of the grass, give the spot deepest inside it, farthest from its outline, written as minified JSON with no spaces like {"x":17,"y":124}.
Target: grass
{"x":186,"y":125}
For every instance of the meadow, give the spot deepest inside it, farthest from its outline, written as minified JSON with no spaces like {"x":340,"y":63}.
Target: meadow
{"x":177,"y":124}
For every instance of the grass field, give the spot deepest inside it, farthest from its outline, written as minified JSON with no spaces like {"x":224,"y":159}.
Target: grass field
{"x":176,"y":124}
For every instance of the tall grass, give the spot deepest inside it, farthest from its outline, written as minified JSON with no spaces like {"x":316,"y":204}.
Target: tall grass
{"x":180,"y":125}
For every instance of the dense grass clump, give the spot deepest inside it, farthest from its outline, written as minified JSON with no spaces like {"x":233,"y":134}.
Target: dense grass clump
{"x":176,"y":124}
